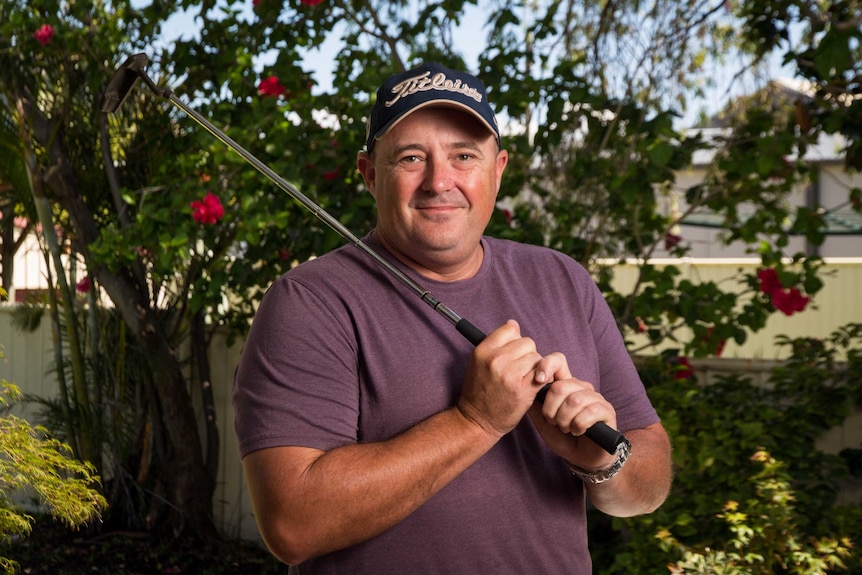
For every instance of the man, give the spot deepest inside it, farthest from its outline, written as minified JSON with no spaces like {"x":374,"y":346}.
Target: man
{"x":376,"y":439}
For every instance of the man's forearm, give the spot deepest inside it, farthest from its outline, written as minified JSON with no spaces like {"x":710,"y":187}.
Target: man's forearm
{"x":644,"y":482}
{"x":310,"y":502}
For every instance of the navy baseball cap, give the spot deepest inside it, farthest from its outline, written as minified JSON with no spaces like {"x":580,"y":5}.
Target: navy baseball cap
{"x":428,"y":84}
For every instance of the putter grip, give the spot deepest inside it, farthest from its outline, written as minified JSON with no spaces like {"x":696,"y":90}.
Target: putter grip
{"x":601,"y":433}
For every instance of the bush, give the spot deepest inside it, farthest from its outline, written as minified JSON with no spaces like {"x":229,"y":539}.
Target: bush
{"x":715,"y":430}
{"x":31,"y":460}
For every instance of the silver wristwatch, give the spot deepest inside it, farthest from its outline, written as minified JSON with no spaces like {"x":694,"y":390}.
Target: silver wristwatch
{"x":624,"y":449}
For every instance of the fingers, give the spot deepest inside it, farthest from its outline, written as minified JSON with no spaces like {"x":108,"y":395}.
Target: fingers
{"x":573,"y":406}
{"x":500,"y":385}
{"x":551,"y":368}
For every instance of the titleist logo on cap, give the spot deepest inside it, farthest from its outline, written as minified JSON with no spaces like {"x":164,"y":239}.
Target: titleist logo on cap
{"x":423,"y":83}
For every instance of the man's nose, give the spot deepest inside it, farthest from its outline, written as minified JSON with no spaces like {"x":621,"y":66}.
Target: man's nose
{"x":438,"y":176}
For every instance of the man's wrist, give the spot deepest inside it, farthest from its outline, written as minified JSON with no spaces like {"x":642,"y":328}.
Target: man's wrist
{"x":602,"y":475}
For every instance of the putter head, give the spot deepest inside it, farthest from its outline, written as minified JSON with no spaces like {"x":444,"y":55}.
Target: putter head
{"x":123,"y":81}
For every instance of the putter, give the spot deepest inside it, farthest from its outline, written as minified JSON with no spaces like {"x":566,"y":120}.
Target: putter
{"x":121,"y":86}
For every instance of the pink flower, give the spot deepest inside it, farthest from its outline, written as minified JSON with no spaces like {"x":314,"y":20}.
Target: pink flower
{"x":83,"y":285}
{"x":208,"y":211}
{"x":310,"y":2}
{"x":789,"y":301}
{"x":44,"y":34}
{"x":769,"y":281}
{"x":271,"y":87}
{"x":683,"y":369}
{"x":671,"y":240}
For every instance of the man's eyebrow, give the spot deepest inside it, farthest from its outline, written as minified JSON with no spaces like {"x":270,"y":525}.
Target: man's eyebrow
{"x":397,"y":151}
{"x":417,"y":147}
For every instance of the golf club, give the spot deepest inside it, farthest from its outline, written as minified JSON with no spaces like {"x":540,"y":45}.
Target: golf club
{"x":121,"y":86}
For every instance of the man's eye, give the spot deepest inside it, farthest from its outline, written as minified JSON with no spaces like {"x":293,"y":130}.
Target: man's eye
{"x":410,"y":159}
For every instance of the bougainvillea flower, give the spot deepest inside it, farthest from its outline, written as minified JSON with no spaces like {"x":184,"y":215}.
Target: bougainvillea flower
{"x":83,"y":286}
{"x":331,"y":175}
{"x":44,"y":34}
{"x":310,"y":2}
{"x":271,"y":87}
{"x":208,"y":211}
{"x":671,"y":240}
{"x":769,"y":281}
{"x":683,"y":370}
{"x":789,"y":301}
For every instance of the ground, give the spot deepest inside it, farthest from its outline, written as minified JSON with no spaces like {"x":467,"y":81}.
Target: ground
{"x":52,"y":549}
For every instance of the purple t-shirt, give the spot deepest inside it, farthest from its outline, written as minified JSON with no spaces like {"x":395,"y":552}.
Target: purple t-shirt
{"x":341,"y":352}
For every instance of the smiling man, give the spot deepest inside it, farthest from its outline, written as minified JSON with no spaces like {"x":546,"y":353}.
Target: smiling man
{"x":375,"y":439}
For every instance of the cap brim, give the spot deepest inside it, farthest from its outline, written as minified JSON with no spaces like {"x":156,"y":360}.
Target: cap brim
{"x":451,"y":104}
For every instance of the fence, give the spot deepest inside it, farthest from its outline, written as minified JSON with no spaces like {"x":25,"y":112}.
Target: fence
{"x":29,"y":360}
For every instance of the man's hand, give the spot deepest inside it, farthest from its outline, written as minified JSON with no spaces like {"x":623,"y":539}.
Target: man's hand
{"x":503,"y":377}
{"x":571,"y":407}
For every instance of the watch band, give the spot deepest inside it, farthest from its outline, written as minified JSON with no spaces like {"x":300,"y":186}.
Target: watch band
{"x":624,"y":449}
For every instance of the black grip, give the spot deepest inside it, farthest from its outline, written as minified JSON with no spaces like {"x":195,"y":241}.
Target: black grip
{"x":601,"y":433}
{"x":605,"y":436}
{"x":473,"y":334}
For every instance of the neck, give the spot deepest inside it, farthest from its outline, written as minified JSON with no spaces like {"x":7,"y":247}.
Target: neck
{"x":437,"y":269}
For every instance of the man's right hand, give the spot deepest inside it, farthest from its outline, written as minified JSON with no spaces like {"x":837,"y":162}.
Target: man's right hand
{"x":503,"y":377}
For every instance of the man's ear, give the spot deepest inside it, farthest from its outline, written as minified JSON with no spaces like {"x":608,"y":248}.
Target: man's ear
{"x":502,"y":162}
{"x":365,"y":165}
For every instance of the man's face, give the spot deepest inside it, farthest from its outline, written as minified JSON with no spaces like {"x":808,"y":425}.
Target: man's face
{"x":435,"y":178}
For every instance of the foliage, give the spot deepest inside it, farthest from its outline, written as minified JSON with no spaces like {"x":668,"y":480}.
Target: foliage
{"x":116,"y":418}
{"x":716,"y":428}
{"x":764,"y":539}
{"x":53,"y":549}
{"x":30,"y":459}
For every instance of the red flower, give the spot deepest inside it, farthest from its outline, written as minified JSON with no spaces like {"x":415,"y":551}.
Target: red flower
{"x":683,"y":370}
{"x":83,"y":285}
{"x":271,"y":87}
{"x":208,"y":211}
{"x":44,"y":34}
{"x":329,"y":176}
{"x":310,"y":2}
{"x":671,"y":240}
{"x":789,"y":301}
{"x":642,"y":326}
{"x":769,"y":281}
